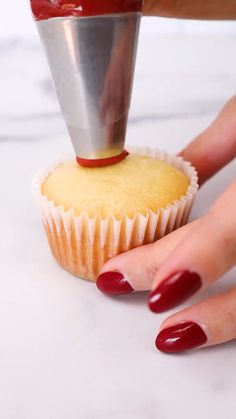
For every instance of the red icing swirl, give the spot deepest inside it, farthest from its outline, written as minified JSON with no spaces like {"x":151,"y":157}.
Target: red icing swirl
{"x":108,"y":161}
{"x":45,"y":9}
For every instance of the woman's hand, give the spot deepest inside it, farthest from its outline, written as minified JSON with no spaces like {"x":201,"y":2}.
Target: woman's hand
{"x":194,"y":256}
{"x":195,"y":9}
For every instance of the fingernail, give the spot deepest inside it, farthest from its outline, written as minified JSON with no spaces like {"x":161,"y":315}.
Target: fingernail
{"x":113,"y":283}
{"x":174,"y":290}
{"x":181,"y":337}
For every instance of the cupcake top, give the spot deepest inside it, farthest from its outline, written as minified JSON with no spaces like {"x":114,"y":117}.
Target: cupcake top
{"x":135,"y":185}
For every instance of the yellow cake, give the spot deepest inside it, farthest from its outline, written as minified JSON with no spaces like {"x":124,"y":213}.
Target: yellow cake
{"x":91,"y":215}
{"x":137,"y":184}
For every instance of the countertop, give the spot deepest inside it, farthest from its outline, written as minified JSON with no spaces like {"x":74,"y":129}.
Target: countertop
{"x":67,"y":351}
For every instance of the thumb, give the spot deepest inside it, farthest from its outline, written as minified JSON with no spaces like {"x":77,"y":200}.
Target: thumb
{"x":136,"y":269}
{"x":216,"y":146}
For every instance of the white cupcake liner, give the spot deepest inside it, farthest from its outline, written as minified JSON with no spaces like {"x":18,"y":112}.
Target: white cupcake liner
{"x":82,"y":244}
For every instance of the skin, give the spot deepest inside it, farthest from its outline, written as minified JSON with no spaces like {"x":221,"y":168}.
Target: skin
{"x":147,"y":266}
{"x":200,"y":9}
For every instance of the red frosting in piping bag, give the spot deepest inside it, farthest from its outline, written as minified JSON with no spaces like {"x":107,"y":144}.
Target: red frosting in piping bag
{"x":45,"y":9}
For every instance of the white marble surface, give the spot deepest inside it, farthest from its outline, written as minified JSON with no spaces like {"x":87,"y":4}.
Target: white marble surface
{"x":66,"y":351}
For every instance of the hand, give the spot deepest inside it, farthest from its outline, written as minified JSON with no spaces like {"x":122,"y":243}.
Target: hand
{"x":195,"y":9}
{"x":192,"y":257}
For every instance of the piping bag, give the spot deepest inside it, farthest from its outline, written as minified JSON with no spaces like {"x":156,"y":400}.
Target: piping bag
{"x":91,"y":49}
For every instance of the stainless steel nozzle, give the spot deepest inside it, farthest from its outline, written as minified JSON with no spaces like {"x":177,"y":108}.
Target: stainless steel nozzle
{"x":92,"y":62}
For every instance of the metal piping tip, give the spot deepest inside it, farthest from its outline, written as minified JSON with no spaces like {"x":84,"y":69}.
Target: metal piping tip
{"x":92,"y":61}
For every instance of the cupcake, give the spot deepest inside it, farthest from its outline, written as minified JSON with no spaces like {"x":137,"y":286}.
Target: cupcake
{"x":91,"y":215}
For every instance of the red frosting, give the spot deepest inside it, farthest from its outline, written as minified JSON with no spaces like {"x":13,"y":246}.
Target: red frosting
{"x":45,"y":9}
{"x":108,"y":161}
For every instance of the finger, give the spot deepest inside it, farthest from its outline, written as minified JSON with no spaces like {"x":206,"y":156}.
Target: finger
{"x":135,"y":270}
{"x":162,"y":8}
{"x":202,"y":9}
{"x":216,"y":146}
{"x":203,"y":256}
{"x":209,"y":323}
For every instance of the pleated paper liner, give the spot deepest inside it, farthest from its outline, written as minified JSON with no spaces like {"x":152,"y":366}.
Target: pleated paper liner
{"x":81,"y":245}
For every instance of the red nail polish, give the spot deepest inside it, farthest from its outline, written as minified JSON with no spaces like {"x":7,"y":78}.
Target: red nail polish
{"x":113,"y":283}
{"x":181,"y":337}
{"x":174,"y":290}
